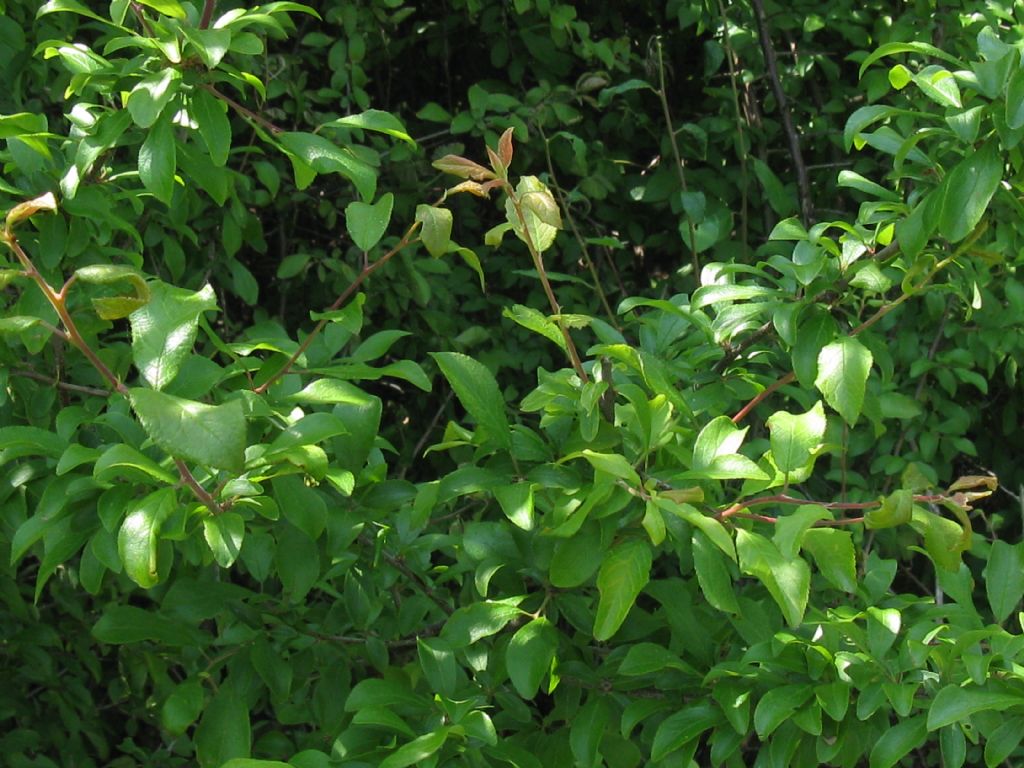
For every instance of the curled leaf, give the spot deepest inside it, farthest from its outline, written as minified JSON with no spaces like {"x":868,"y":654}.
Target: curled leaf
{"x":463,"y":167}
{"x":22,"y":211}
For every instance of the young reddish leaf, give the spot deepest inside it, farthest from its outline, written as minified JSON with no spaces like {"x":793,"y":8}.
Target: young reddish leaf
{"x":24,"y":210}
{"x":463,"y":167}
{"x":505,"y":147}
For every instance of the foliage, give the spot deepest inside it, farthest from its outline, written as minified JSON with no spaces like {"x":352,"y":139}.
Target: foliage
{"x":292,"y":477}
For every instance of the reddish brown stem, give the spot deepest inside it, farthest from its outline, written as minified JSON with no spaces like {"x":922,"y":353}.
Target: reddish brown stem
{"x":736,"y":510}
{"x":369,"y":269}
{"x":208,"y":8}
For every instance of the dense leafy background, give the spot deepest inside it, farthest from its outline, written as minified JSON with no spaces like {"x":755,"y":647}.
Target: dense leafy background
{"x":757,"y":524}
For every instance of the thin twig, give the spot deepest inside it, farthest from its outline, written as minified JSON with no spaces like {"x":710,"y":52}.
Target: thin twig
{"x":208,"y":8}
{"x":806,"y":207}
{"x":369,"y":269}
{"x":80,"y":388}
{"x":677,"y":156}
{"x":245,"y":111}
{"x":733,"y":78}
{"x":564,"y":203}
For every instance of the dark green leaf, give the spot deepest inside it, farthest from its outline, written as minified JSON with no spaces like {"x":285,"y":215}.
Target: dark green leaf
{"x":214,"y":126}
{"x":529,"y":655}
{"x":968,"y":190}
{"x":1004,"y":578}
{"x":224,"y":731}
{"x":955,"y":704}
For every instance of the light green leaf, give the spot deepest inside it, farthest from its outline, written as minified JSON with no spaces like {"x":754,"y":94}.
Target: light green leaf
{"x":151,"y":94}
{"x":214,"y":126}
{"x":614,"y":464}
{"x":896,"y":509}
{"x":1004,"y":578}
{"x":170,"y":8}
{"x":374,"y":120}
{"x":718,"y":437}
{"x":540,"y":217}
{"x":157,"y":160}
{"x":890,"y":49}
{"x":164,"y":330}
{"x":624,"y":572}
{"x":213,"y":435}
{"x":529,"y":655}
{"x":437,"y":659}
{"x":437,"y":228}
{"x":787,"y":581}
{"x":843,"y":369}
{"x":140,"y":534}
{"x":516,"y":501}
{"x":224,"y":534}
{"x":791,"y":528}
{"x":477,"y":390}
{"x":416,"y":751}
{"x":121,"y":460}
{"x":536,"y":321}
{"x":968,"y":189}
{"x":795,"y":436}
{"x":833,"y":553}
{"x":247,"y":762}
{"x":366,"y":224}
{"x":211,"y":44}
{"x":479,"y":620}
{"x":955,"y":704}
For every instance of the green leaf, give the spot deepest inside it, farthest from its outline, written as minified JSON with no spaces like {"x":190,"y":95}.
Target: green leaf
{"x":833,"y":553}
{"x":1004,"y":578}
{"x":536,"y":321}
{"x":624,"y":572}
{"x":968,"y":190}
{"x":713,"y":574}
{"x":890,"y":49}
{"x":529,"y":655}
{"x":164,"y":330}
{"x":374,"y":120}
{"x":437,"y":659}
{"x":683,"y":727}
{"x":777,"y":706}
{"x":416,"y":751}
{"x":69,"y":6}
{"x":182,"y":707}
{"x":437,"y":228}
{"x":792,"y":527}
{"x":212,"y":45}
{"x":151,"y":94}
{"x":718,"y":437}
{"x":123,"y":461}
{"x":787,"y":581}
{"x":213,"y":435}
{"x":139,"y":536}
{"x":224,"y":732}
{"x":843,"y":369}
{"x":794,"y":437}
{"x":614,"y":464}
{"x":366,"y":224}
{"x":324,"y":156}
{"x":298,"y":562}
{"x":246,"y":762}
{"x":955,"y":704}
{"x":17,"y":323}
{"x":157,"y":160}
{"x":939,"y":85}
{"x":122,"y":624}
{"x":170,"y":8}
{"x":588,"y":729}
{"x":224,"y":534}
{"x":896,"y":509}
{"x":477,"y":390}
{"x":516,"y":501}
{"x":214,"y":126}
{"x":479,"y":620}
{"x":541,"y":219}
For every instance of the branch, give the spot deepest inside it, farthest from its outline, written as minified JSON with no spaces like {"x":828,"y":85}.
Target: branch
{"x":803,"y":185}
{"x":208,"y":8}
{"x":368,"y":270}
{"x":736,"y":510}
{"x":245,"y":111}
